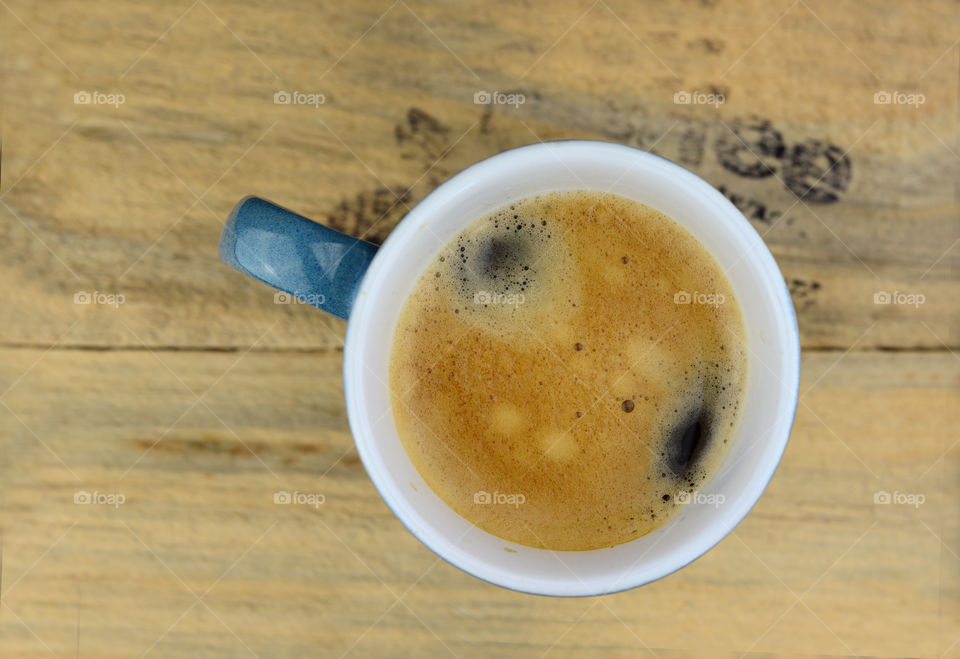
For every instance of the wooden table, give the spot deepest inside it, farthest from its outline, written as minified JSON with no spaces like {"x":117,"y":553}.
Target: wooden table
{"x":184,"y":391}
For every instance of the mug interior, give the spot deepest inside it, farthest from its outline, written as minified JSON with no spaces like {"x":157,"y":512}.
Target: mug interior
{"x":769,"y":402}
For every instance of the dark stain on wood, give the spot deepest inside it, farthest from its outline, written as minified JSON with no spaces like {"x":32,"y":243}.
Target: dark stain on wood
{"x":371,"y":214}
{"x":803,"y":292}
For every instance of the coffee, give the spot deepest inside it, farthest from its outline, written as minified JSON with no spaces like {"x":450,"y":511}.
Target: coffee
{"x":566,"y":367}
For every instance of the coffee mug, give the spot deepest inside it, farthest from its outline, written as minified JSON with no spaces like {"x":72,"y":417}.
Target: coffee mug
{"x":367,"y":285}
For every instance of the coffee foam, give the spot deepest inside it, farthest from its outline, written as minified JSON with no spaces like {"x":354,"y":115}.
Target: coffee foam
{"x":543,"y":356}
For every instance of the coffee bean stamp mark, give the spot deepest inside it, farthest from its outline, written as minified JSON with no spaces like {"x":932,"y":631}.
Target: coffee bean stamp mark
{"x":753,"y":149}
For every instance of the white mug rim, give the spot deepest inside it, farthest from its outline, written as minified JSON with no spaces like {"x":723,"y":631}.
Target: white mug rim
{"x":406,"y":230}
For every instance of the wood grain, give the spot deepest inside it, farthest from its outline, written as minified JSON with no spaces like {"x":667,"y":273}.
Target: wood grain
{"x":130,"y":199}
{"x":198,"y":398}
{"x":294,"y":580}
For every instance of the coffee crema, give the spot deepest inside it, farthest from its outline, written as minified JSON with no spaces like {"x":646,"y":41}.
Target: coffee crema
{"x":566,"y":367}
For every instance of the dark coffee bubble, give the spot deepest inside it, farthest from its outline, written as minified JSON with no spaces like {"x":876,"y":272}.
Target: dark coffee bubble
{"x":688,"y":440}
{"x":500,"y":257}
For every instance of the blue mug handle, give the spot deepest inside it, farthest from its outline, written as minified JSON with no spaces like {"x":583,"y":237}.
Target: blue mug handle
{"x":306,"y":260}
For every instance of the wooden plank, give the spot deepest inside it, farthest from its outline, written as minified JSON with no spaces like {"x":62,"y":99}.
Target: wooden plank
{"x":129,"y":201}
{"x":99,"y":198}
{"x":199,"y":519}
